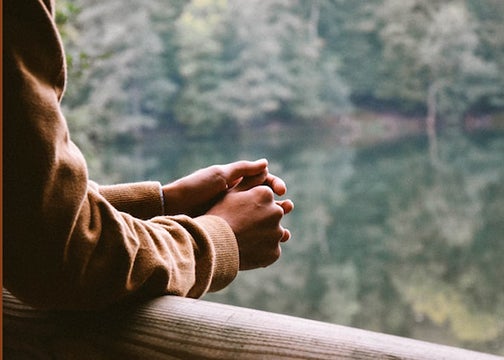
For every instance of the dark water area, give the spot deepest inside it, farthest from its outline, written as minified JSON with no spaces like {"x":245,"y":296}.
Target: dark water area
{"x":384,"y":237}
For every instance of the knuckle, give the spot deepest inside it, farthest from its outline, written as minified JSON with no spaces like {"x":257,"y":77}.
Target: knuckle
{"x":242,"y":164}
{"x":279,"y":210}
{"x":277,"y":252}
{"x":276,"y":235}
{"x":218,"y":174}
{"x":265,"y":192}
{"x":279,"y":235}
{"x":217,"y":170}
{"x":277,"y":214}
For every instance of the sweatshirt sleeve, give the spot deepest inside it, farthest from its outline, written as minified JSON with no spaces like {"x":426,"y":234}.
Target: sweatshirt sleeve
{"x":65,"y":244}
{"x":143,"y":200}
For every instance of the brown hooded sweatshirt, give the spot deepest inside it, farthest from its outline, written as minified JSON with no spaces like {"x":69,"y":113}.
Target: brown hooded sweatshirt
{"x":69,"y":243}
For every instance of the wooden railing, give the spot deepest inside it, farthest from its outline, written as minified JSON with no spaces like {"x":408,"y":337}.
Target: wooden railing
{"x":180,"y":328}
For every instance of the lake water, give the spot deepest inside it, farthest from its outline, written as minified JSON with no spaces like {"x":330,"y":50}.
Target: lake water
{"x":383,"y":237}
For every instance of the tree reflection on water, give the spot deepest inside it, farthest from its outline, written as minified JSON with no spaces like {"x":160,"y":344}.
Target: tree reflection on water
{"x":382,"y":238}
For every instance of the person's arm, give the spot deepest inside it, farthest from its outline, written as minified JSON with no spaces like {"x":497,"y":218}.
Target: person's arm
{"x":192,"y":195}
{"x":65,"y":245}
{"x":143,"y":200}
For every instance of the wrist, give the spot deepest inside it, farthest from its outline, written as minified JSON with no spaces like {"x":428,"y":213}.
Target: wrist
{"x":170,"y":196}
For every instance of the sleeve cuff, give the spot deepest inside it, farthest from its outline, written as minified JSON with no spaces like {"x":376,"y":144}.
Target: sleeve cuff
{"x":226,"y":263}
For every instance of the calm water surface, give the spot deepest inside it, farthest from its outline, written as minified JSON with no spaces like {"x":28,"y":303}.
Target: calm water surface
{"x":383,"y":237}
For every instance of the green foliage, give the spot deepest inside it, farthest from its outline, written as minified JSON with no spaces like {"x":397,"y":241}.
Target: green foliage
{"x":490,"y":18}
{"x":433,"y":44}
{"x":385,"y":241}
{"x":198,"y":30}
{"x":65,"y":15}
{"x":346,"y":29}
{"x":374,"y":228}
{"x":210,"y":64}
{"x":244,"y":62}
{"x":117,"y":85}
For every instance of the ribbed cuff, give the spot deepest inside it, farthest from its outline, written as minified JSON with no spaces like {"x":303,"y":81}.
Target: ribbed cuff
{"x":227,"y":257}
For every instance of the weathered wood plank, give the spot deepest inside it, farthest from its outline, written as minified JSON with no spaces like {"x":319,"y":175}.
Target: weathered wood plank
{"x":179,"y":328}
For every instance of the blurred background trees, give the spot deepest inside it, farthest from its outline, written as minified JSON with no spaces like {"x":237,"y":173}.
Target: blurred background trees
{"x":339,"y":95}
{"x":203,"y":65}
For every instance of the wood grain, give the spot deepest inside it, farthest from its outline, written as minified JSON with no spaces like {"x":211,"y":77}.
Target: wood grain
{"x":180,"y":328}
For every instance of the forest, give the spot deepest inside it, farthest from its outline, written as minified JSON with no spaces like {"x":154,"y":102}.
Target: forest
{"x":385,"y":117}
{"x":204,"y":65}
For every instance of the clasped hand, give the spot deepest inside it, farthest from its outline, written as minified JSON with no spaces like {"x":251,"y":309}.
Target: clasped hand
{"x":243,"y":194}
